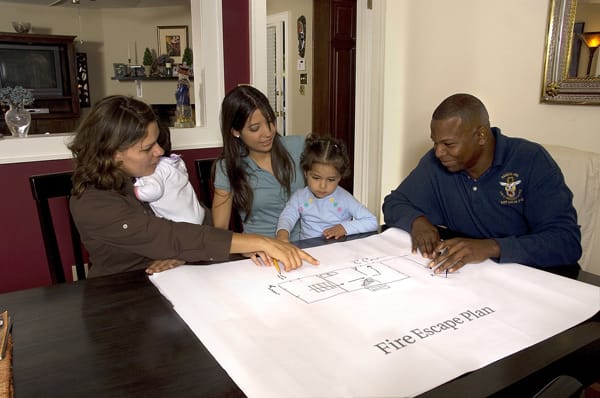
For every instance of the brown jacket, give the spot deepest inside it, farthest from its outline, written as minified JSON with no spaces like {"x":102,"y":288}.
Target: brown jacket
{"x":122,"y":234}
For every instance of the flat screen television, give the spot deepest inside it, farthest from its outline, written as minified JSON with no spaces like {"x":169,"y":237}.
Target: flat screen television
{"x":35,"y":67}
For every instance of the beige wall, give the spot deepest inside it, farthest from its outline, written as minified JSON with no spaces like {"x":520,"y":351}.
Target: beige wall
{"x":105,"y":35}
{"x":300,"y":106}
{"x":123,"y":26}
{"x":492,"y":49}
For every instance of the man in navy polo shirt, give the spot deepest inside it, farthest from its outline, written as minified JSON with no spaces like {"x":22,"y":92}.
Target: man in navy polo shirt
{"x":505,"y":198}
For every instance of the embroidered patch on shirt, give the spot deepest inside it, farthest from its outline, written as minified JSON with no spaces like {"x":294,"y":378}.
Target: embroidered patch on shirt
{"x":512,"y":192}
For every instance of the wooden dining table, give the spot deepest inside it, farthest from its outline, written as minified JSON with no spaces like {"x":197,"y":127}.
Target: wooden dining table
{"x":118,"y":336}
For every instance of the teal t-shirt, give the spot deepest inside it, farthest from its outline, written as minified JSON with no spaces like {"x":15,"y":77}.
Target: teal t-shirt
{"x":269,"y":196}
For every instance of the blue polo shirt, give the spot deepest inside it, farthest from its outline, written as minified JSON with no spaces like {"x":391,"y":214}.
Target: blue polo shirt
{"x":521,"y":201}
{"x":269,"y":196}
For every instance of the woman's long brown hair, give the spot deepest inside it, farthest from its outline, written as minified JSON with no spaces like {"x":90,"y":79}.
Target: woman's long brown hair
{"x":115,"y":123}
{"x":238,"y":105}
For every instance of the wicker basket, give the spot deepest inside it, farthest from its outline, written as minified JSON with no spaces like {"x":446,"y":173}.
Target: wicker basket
{"x":6,"y":374}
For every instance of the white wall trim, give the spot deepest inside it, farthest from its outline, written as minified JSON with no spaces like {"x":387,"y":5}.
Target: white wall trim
{"x":258,"y":44}
{"x":368,"y":135}
{"x":207,"y":34}
{"x":276,"y":20}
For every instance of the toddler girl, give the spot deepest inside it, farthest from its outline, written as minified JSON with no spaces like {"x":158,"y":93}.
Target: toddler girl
{"x":322,"y":207}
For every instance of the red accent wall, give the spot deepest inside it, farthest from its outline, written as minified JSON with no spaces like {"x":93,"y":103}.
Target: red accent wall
{"x":236,"y":42}
{"x":22,"y":257}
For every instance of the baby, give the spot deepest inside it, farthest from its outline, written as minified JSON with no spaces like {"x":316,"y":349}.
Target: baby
{"x":168,"y":190}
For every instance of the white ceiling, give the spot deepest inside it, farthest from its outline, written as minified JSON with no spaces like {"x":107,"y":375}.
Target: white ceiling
{"x":103,"y":3}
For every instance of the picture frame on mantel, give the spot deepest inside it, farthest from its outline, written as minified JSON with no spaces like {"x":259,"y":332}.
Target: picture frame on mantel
{"x":172,"y":41}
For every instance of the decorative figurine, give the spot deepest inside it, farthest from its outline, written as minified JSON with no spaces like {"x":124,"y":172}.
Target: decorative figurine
{"x":183,"y":112}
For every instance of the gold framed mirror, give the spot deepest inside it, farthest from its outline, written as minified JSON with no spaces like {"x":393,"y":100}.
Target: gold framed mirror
{"x":559,"y":85}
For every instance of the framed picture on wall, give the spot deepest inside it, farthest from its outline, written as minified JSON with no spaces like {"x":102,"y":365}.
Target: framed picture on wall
{"x":172,"y":41}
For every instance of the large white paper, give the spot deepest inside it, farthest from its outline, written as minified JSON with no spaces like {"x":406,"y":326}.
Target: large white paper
{"x":371,"y":320}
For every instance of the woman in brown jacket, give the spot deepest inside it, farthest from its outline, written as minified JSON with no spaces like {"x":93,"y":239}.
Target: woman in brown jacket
{"x":116,"y":143}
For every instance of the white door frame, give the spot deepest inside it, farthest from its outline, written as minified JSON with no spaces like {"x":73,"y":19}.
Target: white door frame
{"x":280,"y":22}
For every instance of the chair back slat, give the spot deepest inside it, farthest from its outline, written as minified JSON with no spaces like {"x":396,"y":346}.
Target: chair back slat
{"x":204,"y":170}
{"x":43,"y":188}
{"x":207,"y":189}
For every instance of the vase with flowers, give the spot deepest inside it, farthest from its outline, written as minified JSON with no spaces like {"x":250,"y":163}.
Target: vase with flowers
{"x":17,"y":118}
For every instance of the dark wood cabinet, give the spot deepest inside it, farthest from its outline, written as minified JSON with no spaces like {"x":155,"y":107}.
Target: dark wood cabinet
{"x":60,"y":112}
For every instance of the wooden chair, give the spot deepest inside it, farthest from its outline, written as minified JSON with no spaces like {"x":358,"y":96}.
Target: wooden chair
{"x":44,"y":187}
{"x":564,"y":386}
{"x":204,"y":170}
{"x":207,"y":190}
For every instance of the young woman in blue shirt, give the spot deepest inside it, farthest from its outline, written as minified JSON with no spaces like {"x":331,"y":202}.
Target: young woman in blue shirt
{"x":258,"y":169}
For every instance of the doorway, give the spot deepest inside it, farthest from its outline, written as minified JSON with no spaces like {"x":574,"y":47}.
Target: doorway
{"x":368,"y":134}
{"x":335,"y":73}
{"x":322,"y":81}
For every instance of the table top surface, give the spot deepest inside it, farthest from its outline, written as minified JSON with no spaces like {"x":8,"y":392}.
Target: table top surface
{"x":118,"y":336}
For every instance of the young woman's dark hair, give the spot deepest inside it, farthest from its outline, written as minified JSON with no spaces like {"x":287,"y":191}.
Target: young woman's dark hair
{"x":238,"y":105}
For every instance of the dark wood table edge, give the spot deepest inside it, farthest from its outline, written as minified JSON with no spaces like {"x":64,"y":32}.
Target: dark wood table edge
{"x":520,"y":374}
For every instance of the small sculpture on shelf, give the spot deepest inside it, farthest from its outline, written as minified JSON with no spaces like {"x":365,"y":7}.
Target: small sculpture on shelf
{"x":21,"y":27}
{"x":183,"y":111}
{"x":161,"y":64}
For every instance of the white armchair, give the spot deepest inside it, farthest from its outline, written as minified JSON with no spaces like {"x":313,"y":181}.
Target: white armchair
{"x":582,"y":174}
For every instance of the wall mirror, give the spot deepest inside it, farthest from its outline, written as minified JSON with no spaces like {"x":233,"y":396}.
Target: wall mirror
{"x":571,"y":76}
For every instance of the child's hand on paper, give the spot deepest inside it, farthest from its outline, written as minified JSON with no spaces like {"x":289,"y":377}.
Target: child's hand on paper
{"x":335,"y":232}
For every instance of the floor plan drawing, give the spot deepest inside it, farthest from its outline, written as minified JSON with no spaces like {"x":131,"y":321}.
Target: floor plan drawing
{"x":370,"y":320}
{"x":372,"y":274}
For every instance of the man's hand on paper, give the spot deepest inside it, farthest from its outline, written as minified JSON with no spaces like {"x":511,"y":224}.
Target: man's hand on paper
{"x":425,"y":237}
{"x":452,"y":254}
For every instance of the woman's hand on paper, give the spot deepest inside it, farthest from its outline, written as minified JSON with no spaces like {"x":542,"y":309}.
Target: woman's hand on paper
{"x":264,"y":249}
{"x":163,"y":265}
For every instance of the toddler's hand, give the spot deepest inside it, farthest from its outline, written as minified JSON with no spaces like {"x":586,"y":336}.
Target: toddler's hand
{"x":335,"y":232}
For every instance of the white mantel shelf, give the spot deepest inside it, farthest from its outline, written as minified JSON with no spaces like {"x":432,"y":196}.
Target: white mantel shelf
{"x":34,"y":148}
{"x":37,"y":148}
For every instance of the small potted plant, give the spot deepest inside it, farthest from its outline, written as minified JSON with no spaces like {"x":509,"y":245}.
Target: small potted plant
{"x":147,"y":61}
{"x":186,"y":59}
